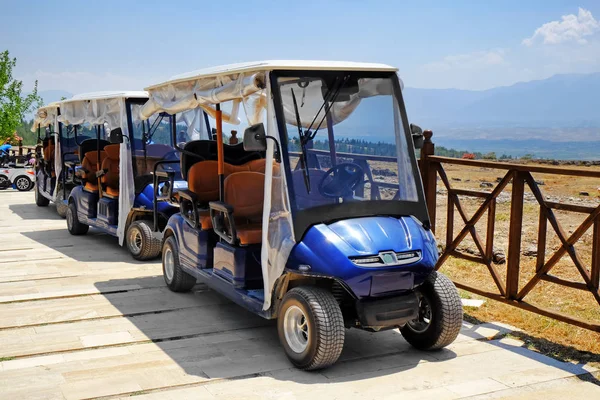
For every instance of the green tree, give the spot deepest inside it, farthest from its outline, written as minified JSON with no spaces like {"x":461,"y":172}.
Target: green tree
{"x":13,"y":105}
{"x":489,"y":156}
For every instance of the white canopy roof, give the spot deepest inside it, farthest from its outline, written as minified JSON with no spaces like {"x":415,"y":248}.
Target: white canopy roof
{"x":97,"y":108}
{"x":45,"y":116}
{"x":244,"y":82}
{"x":107,"y":95}
{"x":272,"y":65}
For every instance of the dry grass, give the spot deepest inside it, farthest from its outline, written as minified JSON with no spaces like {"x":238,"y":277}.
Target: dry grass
{"x":555,"y":338}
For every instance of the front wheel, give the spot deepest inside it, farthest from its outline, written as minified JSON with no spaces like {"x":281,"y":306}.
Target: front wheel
{"x":311,"y":327}
{"x":141,"y":242}
{"x":175,"y":277}
{"x":75,"y":227}
{"x":440,"y":314}
{"x":23,"y":183}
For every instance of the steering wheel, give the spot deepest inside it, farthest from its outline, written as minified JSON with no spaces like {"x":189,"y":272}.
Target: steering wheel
{"x":341,"y":180}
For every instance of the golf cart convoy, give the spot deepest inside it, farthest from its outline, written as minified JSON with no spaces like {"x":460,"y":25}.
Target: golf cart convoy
{"x":316,"y":219}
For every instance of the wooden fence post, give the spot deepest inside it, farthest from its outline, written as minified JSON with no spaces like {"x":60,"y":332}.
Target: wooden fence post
{"x":429,"y":176}
{"x":513,"y":261}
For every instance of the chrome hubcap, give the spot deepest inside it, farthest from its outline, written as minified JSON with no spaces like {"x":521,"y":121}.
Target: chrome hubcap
{"x":135,"y":241}
{"x":169,"y":264}
{"x":22,"y":183}
{"x":295,"y":329}
{"x":423,"y":320}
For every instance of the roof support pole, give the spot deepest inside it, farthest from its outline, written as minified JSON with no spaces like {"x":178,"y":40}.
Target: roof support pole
{"x":220,"y":155}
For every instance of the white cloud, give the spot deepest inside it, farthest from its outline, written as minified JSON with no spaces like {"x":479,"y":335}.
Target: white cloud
{"x":475,"y":60}
{"x":571,"y":28}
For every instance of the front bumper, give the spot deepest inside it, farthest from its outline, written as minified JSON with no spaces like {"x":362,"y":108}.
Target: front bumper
{"x":387,"y":312}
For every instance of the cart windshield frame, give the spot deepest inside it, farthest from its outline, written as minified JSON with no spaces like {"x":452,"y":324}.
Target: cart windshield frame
{"x":374,"y":205}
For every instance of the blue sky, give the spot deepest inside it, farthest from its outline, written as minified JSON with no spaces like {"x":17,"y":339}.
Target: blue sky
{"x":82,"y":46}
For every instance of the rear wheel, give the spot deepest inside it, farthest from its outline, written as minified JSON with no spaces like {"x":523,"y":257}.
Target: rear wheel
{"x":23,"y":183}
{"x":61,"y":206}
{"x":440,"y":314}
{"x":75,"y":227}
{"x":311,"y":327}
{"x":175,"y":277}
{"x":141,"y":242}
{"x":40,"y":200}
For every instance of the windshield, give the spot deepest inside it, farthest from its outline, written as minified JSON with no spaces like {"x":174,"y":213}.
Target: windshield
{"x":346,"y":140}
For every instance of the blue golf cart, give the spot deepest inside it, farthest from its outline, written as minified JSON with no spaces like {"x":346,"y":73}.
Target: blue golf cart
{"x":318,"y":218}
{"x":129,"y":174}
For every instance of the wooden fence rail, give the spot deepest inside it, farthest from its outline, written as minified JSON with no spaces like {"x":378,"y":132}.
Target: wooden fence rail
{"x":508,"y":289}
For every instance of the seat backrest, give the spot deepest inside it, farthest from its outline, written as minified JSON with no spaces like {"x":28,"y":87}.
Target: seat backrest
{"x":89,"y":163}
{"x":91,"y":145}
{"x":48,"y":148}
{"x":111,"y":165}
{"x":204,"y":181}
{"x":207,"y":150}
{"x":245,"y":192}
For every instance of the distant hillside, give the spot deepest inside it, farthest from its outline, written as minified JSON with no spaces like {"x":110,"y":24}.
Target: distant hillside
{"x":560,"y":101}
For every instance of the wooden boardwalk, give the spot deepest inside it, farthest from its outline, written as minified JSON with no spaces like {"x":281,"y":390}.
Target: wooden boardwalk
{"x":80,"y":319}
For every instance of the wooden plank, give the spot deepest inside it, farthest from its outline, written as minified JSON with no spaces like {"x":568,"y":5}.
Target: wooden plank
{"x":530,"y":307}
{"x":564,"y":282}
{"x":491,"y":226}
{"x":450,"y":222}
{"x":471,"y":193}
{"x":517,"y":167}
{"x":570,"y":207}
{"x":513,"y":260}
{"x":595,"y":275}
{"x":541,"y":242}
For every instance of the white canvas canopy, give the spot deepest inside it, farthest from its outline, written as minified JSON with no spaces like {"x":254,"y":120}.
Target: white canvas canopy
{"x":248,"y":84}
{"x":110,"y":108}
{"x":47,"y":116}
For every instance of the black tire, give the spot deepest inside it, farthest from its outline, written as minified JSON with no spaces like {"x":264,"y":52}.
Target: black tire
{"x":440,"y":314}
{"x":61,"y":207}
{"x":40,"y":200}
{"x":23,"y":183}
{"x":178,"y":280}
{"x":75,"y":227}
{"x":324,"y":334}
{"x":4,"y":182}
{"x":141,"y":242}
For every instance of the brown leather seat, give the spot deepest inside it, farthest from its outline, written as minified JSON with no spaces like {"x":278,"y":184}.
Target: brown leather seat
{"x":203,"y":180}
{"x":244,"y":191}
{"x":89,"y":167}
{"x":110,"y":165}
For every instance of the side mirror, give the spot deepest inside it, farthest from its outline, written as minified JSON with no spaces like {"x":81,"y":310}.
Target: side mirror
{"x":115,"y":136}
{"x":417,"y":135}
{"x":255,"y":138}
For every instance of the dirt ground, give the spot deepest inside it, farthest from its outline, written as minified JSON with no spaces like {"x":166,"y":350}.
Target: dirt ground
{"x":544,"y":334}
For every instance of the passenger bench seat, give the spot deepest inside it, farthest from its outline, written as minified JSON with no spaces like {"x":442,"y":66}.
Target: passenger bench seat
{"x":244,"y":191}
{"x":110,"y":165}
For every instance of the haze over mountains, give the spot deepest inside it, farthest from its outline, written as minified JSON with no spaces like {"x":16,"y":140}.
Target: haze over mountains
{"x":558,"y":117}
